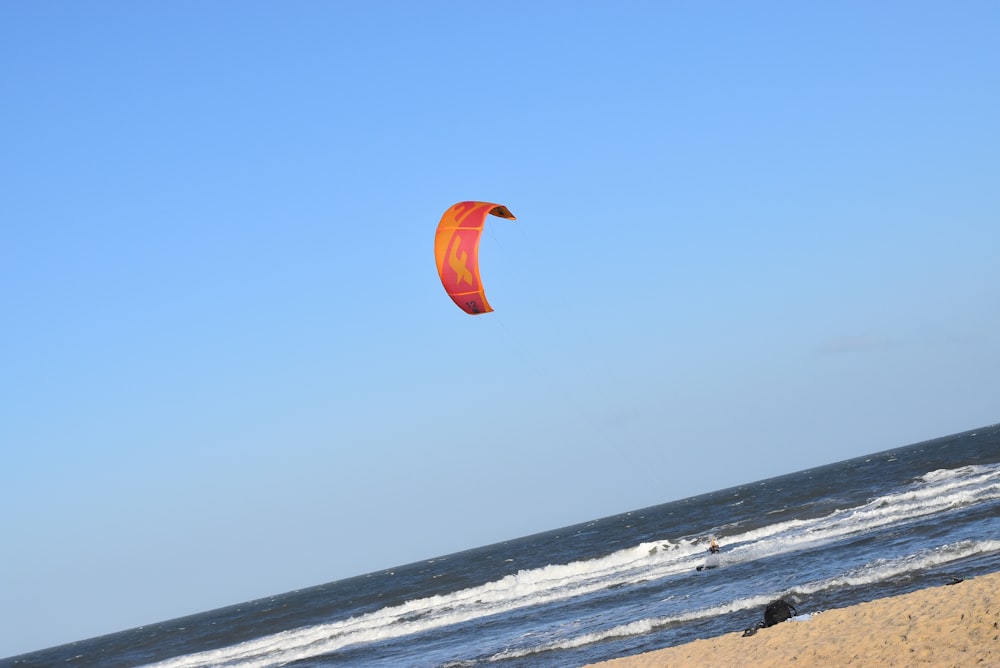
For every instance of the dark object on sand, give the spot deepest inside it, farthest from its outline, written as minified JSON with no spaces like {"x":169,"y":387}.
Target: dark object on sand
{"x":775,"y":613}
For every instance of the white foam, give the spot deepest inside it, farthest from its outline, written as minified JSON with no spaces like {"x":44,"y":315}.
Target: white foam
{"x":866,"y":575}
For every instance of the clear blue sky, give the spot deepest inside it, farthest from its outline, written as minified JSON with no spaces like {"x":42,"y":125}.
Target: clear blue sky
{"x":752,"y":238}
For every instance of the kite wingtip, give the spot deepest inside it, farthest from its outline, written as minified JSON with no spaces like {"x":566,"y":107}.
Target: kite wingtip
{"x":500,"y":211}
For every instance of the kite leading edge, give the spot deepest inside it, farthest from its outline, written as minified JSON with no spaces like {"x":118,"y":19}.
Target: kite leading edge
{"x":456,"y":249}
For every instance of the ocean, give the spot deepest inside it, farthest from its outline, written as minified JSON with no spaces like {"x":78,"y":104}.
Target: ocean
{"x":828,"y":537}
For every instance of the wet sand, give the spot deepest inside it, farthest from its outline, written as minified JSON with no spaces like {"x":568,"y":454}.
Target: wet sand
{"x":947,"y":625}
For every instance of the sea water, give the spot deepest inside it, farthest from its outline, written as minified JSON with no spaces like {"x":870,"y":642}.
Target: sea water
{"x":838,"y":535}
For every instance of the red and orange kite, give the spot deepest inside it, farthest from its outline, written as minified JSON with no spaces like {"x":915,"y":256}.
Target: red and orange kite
{"x":456,"y":249}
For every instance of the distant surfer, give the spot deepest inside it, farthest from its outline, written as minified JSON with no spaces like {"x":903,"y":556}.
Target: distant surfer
{"x":712,"y":561}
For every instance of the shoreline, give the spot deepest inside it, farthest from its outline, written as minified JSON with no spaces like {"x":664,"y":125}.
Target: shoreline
{"x":947,"y":625}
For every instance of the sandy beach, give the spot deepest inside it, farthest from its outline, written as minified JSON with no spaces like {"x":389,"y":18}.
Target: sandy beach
{"x":948,"y":625}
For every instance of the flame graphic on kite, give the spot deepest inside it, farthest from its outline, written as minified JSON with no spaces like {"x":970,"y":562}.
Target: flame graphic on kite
{"x":456,"y":249}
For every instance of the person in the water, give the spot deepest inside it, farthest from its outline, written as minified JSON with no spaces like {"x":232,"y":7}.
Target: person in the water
{"x":713,"y":547}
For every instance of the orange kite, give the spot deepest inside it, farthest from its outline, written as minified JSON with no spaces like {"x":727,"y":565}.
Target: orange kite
{"x":456,"y":249}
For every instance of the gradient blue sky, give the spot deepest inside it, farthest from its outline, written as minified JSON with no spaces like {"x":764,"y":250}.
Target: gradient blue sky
{"x":752,"y":238}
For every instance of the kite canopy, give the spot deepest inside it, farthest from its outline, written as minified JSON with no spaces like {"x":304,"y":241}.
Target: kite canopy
{"x":456,"y":249}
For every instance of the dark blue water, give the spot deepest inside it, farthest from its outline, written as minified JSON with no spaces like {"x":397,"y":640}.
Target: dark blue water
{"x":828,"y":537}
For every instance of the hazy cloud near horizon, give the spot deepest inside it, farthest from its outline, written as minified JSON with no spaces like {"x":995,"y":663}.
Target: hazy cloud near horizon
{"x":858,"y":343}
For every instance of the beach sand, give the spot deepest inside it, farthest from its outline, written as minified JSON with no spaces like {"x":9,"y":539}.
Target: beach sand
{"x":948,"y":625}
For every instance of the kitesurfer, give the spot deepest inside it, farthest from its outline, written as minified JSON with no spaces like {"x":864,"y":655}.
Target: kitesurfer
{"x":713,"y":547}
